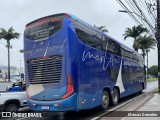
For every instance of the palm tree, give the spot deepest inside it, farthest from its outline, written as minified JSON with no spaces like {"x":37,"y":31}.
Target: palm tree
{"x":101,"y":28}
{"x":134,"y":32}
{"x":8,"y":35}
{"x":145,"y":44}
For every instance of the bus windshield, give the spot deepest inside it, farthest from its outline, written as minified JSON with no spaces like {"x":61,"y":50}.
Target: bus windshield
{"x":43,"y":28}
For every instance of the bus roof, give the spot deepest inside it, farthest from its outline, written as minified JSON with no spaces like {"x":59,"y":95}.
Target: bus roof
{"x":94,"y":28}
{"x":123,"y":45}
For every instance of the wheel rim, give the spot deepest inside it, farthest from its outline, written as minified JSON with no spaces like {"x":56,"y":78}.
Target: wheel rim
{"x":12,"y":108}
{"x":115,"y":96}
{"x":105,"y":100}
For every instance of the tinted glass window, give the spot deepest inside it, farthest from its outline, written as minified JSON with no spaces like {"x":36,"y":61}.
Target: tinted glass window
{"x":88,"y":36}
{"x":85,"y":37}
{"x":130,"y":55}
{"x":98,"y":42}
{"x":113,"y":47}
{"x":43,"y":28}
{"x":126,"y":54}
{"x":95,"y":39}
{"x":104,"y":43}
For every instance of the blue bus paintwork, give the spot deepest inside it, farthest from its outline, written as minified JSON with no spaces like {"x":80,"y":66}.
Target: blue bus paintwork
{"x":88,"y":67}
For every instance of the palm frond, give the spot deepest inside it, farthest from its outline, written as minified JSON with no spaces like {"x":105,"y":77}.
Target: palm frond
{"x":135,"y":31}
{"x":146,"y":43}
{"x":101,"y":28}
{"x":3,"y":33}
{"x":9,"y":34}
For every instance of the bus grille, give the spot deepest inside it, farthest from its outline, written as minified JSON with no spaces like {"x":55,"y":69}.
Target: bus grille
{"x":45,"y":70}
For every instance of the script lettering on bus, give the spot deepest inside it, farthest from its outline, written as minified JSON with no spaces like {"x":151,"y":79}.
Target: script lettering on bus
{"x":102,"y":59}
{"x":60,"y":48}
{"x":34,"y":51}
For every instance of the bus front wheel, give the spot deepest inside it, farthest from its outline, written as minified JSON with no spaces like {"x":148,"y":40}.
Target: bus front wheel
{"x":115,"y":96}
{"x":105,"y":100}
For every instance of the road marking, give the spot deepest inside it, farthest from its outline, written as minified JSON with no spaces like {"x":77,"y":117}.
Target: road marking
{"x":108,"y":111}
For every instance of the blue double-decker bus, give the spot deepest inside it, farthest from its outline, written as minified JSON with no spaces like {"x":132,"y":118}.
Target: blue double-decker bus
{"x":72,"y":66}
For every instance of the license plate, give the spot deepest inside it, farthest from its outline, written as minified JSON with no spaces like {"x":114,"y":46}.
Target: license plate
{"x":45,"y":107}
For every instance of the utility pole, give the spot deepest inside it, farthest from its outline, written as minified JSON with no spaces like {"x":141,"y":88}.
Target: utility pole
{"x":20,"y":70}
{"x":158,"y":41}
{"x":20,"y":67}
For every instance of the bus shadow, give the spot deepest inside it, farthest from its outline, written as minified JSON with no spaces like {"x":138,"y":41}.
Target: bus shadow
{"x":95,"y":112}
{"x":84,"y":114}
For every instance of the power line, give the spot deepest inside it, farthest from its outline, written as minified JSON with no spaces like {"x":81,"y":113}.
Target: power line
{"x":143,"y":15}
{"x":134,"y":9}
{"x":125,"y":8}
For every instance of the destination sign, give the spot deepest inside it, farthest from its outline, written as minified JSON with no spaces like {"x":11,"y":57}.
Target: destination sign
{"x":43,"y":28}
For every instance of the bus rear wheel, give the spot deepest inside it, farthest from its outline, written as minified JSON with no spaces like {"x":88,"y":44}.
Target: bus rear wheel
{"x":115,"y":96}
{"x":105,"y":100}
{"x":142,"y":87}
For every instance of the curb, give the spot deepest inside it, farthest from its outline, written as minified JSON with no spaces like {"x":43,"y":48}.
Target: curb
{"x":123,"y":104}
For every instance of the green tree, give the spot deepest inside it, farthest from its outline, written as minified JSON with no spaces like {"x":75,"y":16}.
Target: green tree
{"x":0,"y":71}
{"x":153,"y":70}
{"x":134,"y":32}
{"x":8,"y":35}
{"x":101,"y":28}
{"x":145,"y":43}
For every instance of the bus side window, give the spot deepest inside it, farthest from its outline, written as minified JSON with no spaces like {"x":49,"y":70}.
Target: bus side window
{"x":98,"y":42}
{"x":80,"y":35}
{"x":84,"y":37}
{"x":113,"y":47}
{"x":104,"y":46}
{"x":104,"y":43}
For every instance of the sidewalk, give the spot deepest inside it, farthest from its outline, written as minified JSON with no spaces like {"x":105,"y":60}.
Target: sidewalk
{"x":146,"y":105}
{"x":153,"y":104}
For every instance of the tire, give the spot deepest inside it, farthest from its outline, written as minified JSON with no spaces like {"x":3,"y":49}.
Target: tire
{"x":105,"y":100}
{"x":115,"y":96}
{"x":141,"y":91}
{"x":11,"y":107}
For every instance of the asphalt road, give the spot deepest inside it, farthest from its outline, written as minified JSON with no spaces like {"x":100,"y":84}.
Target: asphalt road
{"x":85,"y":114}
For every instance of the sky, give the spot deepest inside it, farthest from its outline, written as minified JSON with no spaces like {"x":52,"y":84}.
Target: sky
{"x":17,"y":13}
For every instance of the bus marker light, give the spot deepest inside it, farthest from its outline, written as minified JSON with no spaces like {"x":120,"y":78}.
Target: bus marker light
{"x":66,"y":15}
{"x":82,"y":102}
{"x":56,"y":105}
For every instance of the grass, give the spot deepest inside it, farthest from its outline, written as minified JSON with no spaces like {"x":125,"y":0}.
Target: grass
{"x":151,"y":79}
{"x":4,"y":82}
